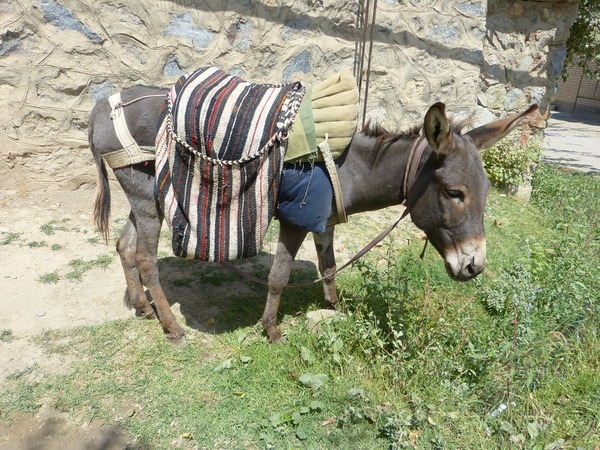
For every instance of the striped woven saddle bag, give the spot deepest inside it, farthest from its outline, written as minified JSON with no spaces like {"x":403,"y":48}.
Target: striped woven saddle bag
{"x":219,"y":156}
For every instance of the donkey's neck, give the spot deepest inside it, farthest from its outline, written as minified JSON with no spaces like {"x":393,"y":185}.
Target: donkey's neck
{"x":372,"y":175}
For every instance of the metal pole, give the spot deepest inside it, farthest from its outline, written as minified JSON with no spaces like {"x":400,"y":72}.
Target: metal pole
{"x":369,"y":63}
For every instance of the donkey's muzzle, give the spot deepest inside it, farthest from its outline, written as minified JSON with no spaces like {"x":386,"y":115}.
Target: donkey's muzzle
{"x":466,"y":260}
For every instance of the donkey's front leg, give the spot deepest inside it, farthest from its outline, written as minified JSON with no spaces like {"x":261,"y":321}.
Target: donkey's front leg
{"x":326,"y":255}
{"x":290,"y":240}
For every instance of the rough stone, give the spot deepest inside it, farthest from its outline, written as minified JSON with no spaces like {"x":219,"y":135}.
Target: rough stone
{"x":444,"y":33}
{"x":515,"y":99}
{"x":60,"y":16}
{"x":172,"y":68}
{"x":240,"y":34}
{"x":473,"y":10}
{"x":102,"y":90}
{"x":182,"y":25}
{"x":300,"y":63}
{"x":517,"y":10}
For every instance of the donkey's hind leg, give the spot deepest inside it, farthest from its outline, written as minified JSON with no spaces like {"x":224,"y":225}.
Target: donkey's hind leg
{"x":290,"y":240}
{"x":146,"y":260}
{"x":138,"y":184}
{"x":134,"y":294}
{"x":326,"y":255}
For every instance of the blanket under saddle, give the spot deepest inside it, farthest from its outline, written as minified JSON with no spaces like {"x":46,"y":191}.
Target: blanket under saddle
{"x":219,"y":156}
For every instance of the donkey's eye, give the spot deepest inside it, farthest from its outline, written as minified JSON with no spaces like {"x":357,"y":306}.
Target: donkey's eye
{"x":455,"y":193}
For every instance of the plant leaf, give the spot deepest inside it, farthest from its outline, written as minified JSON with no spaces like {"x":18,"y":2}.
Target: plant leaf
{"x":313,"y":381}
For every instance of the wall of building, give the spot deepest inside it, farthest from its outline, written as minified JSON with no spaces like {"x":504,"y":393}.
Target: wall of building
{"x":58,"y":57}
{"x":579,"y":94}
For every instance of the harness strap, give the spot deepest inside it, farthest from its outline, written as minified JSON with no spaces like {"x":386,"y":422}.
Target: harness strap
{"x":413,"y":164}
{"x":335,"y":181}
{"x":131,"y":153}
{"x":410,"y":174}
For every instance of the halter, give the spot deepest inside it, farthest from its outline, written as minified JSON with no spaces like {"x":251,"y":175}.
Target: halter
{"x":412,"y":165}
{"x":410,"y":176}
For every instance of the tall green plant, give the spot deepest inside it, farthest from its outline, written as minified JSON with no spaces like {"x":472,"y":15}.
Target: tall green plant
{"x":511,"y":163}
{"x":583,"y":45}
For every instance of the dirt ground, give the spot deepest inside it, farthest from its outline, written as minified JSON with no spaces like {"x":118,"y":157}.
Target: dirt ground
{"x":41,"y":235}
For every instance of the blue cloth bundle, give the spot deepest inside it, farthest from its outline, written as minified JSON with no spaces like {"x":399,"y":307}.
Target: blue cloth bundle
{"x":305,"y":196}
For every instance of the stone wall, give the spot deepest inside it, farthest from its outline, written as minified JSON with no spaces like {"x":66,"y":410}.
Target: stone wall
{"x":58,"y":57}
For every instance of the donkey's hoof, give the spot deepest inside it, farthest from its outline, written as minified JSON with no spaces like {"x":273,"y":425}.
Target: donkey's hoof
{"x":178,"y":341}
{"x":277,"y":338}
{"x":139,"y":312}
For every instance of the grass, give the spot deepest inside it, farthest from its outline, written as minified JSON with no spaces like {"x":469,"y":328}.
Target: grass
{"x":77,"y":268}
{"x":49,"y":277}
{"x":52,"y":227}
{"x":37,"y":244}
{"x":509,"y":360}
{"x":6,"y":335}
{"x":10,"y":237}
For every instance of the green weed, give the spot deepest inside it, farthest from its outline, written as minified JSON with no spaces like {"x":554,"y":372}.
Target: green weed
{"x":511,"y":162}
{"x":6,"y":335}
{"x":22,"y":372}
{"x":52,"y":227}
{"x":37,"y":244}
{"x":49,"y":277}
{"x":10,"y":238}
{"x":80,"y":266}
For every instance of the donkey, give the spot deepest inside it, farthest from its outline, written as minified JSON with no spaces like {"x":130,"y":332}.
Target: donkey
{"x":445,"y":192}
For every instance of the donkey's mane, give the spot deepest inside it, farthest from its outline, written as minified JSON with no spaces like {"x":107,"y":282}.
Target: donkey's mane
{"x":387,"y":137}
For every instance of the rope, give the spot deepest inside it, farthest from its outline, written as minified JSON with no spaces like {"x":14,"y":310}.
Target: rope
{"x":352,"y":260}
{"x":362,"y":20}
{"x":137,"y":99}
{"x":369,"y":62}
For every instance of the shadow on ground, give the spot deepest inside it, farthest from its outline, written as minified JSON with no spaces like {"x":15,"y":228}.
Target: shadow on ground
{"x":213,"y":299}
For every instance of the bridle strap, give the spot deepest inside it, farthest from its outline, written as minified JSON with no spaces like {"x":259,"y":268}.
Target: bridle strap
{"x":412,"y":165}
{"x":410,"y":174}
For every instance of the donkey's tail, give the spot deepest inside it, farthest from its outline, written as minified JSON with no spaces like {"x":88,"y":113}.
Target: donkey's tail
{"x":102,"y":202}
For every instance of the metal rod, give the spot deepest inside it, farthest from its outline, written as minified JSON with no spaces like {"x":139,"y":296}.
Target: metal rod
{"x":369,"y":62}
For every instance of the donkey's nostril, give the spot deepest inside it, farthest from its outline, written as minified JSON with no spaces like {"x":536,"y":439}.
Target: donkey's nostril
{"x":471,"y":267}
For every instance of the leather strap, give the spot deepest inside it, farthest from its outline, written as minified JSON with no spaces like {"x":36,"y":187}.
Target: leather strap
{"x":352,"y":260}
{"x":335,"y":181}
{"x":131,"y":153}
{"x":412,"y":165}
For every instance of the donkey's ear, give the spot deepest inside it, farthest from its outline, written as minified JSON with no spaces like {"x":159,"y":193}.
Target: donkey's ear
{"x":437,"y":128}
{"x":487,"y":135}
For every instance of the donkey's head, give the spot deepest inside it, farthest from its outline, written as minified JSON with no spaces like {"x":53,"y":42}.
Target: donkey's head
{"x":447,"y":199}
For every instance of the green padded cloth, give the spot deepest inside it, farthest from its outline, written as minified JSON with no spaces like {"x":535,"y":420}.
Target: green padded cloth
{"x":330,"y":107}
